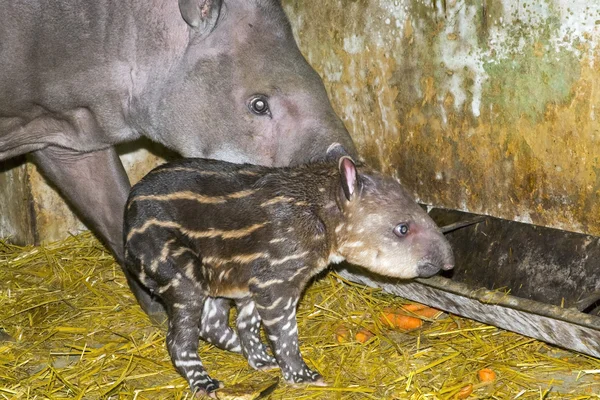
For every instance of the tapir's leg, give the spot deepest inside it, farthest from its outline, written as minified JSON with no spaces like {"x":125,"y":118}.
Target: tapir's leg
{"x":214,"y":325}
{"x":96,"y":185}
{"x":248,"y":324}
{"x":184,"y":309}
{"x":276,"y":301}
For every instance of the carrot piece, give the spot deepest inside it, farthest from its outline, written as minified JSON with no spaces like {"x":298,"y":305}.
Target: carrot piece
{"x":428,"y":312}
{"x":363,"y":335}
{"x":422,"y":310}
{"x":342,"y":333}
{"x":465,"y":392}
{"x":399,"y":321}
{"x":414,"y":307}
{"x":486,"y":375}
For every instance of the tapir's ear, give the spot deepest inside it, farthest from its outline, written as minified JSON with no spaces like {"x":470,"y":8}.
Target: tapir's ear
{"x":348,"y":176}
{"x":200,"y":14}
{"x":335,"y":151}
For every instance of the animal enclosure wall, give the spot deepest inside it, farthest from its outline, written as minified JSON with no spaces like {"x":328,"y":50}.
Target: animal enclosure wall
{"x":477,"y":105}
{"x":483,"y":106}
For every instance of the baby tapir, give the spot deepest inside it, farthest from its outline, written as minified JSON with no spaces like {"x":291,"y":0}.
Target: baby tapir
{"x":201,"y":232}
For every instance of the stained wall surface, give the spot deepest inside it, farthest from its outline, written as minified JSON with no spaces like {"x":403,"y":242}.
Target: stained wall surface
{"x":31,"y":211}
{"x":477,"y":105}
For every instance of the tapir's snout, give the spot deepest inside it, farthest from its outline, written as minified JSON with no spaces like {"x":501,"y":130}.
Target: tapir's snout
{"x":448,"y":266}
{"x":427,"y":269}
{"x":448,"y":257}
{"x":327,"y":145}
{"x":441,"y":259}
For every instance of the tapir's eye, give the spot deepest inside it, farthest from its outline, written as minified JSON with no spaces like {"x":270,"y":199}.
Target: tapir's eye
{"x":259,"y":105}
{"x":401,"y":230}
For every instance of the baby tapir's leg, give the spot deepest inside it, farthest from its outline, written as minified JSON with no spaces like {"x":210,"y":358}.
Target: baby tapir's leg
{"x":214,"y":326}
{"x":184,"y":307}
{"x":276,"y":302}
{"x":175,"y":274}
{"x":248,"y":325}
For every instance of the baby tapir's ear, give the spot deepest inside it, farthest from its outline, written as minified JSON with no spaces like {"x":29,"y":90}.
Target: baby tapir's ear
{"x":349,"y":177}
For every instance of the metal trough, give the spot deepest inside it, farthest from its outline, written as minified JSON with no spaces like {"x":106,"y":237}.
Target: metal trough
{"x":540,"y":282}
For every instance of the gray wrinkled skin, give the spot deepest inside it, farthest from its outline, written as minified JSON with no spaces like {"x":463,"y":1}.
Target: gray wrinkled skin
{"x":85,"y":76}
{"x":78,"y":77}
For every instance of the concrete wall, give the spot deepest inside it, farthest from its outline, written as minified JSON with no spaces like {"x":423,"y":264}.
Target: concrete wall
{"x":483,"y":106}
{"x":31,"y":211}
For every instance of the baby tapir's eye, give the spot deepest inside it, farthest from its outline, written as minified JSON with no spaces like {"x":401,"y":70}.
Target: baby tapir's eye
{"x":259,"y":105}
{"x":401,"y":230}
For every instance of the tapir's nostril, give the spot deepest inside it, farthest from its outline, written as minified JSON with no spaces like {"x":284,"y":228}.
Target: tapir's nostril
{"x":447,"y":267}
{"x":427,"y":269}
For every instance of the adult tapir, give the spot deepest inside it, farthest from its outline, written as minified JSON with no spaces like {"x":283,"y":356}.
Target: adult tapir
{"x":220,"y":79}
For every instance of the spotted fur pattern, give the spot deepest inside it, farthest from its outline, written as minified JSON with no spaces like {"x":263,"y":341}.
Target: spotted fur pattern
{"x":200,"y":234}
{"x":214,"y":325}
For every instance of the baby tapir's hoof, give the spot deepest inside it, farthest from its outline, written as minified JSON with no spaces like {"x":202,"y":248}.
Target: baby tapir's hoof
{"x":207,"y":388}
{"x":301,"y":381}
{"x":264,"y":365}
{"x":303,"y":377}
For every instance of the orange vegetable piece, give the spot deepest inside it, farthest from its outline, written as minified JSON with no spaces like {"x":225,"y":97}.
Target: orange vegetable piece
{"x":422,"y":310}
{"x":400,"y":321}
{"x":465,"y":392}
{"x":486,"y":375}
{"x":363,"y":335}
{"x":342,"y":333}
{"x":414,"y":307}
{"x":428,"y":312}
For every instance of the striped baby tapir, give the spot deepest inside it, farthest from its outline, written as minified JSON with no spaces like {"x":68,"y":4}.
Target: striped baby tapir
{"x":202,"y":234}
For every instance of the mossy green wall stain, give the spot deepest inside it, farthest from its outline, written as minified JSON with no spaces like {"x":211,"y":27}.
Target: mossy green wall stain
{"x":486,"y":106}
{"x":530,"y":76}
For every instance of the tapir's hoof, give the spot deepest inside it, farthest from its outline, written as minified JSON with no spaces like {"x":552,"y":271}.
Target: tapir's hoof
{"x":314,"y":380}
{"x":263,"y":363}
{"x":208,"y":389}
{"x":266,"y":366}
{"x":300,"y":385}
{"x":319,"y":382}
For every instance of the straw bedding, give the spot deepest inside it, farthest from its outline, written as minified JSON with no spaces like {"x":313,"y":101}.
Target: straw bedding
{"x":72,"y":329}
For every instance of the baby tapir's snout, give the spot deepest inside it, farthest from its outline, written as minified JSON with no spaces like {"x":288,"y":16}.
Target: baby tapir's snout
{"x":384,"y":230}
{"x":439,"y":255}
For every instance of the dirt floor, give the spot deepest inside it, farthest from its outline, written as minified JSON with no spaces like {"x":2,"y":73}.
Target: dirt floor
{"x":71,"y":329}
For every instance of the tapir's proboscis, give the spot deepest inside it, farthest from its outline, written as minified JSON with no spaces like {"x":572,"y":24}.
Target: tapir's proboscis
{"x":222,"y":79}
{"x":203,"y":233}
